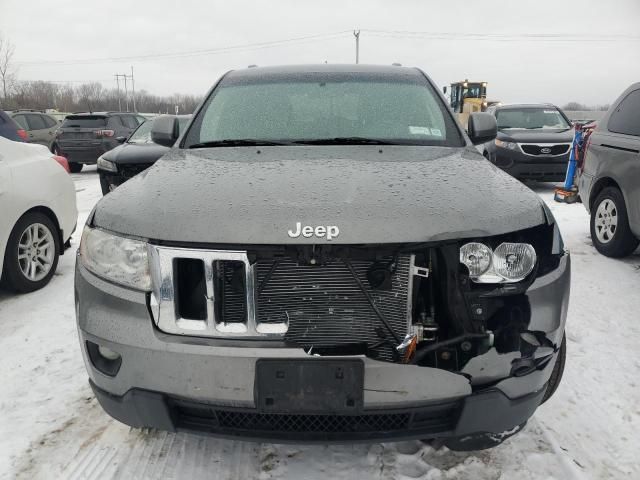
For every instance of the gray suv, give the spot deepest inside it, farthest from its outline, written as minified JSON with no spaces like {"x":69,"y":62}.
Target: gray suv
{"x":83,"y":137}
{"x":323,"y":255}
{"x":609,"y":185}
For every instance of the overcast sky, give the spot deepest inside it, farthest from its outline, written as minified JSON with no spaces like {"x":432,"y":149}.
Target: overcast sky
{"x":518,"y":64}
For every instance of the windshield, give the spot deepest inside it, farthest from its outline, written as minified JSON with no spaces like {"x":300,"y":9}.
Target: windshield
{"x":84,"y":121}
{"x":317,"y":108}
{"x":531,"y":118}
{"x":142,"y":134}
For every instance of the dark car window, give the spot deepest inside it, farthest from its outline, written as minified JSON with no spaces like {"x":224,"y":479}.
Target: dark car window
{"x":316,"y":107}
{"x":35,"y":122}
{"x":84,"y":121}
{"x":22,"y":121}
{"x":48,"y":121}
{"x":531,"y":118}
{"x":626,"y":118}
{"x":129,"y":121}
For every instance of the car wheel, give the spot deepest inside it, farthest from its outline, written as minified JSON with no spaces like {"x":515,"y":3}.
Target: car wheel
{"x":610,"y":231}
{"x":31,"y":255}
{"x":558,"y":370}
{"x":75,"y":167}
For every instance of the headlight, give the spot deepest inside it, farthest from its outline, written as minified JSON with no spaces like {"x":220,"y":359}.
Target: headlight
{"x":507,"y":145}
{"x":107,"y":165}
{"x":509,"y":263}
{"x":119,"y":259}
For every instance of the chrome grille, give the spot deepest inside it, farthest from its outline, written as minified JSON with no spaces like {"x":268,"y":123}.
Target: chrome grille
{"x":309,"y":305}
{"x":545,"y":149}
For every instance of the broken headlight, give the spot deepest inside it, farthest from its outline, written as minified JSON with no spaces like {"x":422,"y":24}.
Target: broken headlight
{"x":119,"y":259}
{"x":508,"y":263}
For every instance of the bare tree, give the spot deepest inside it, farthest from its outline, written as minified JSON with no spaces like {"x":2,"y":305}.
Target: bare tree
{"x":7,"y":73}
{"x":89,"y":94}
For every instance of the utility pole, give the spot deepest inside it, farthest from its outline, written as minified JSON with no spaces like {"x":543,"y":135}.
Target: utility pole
{"x":356,"y":33}
{"x":118,"y":90}
{"x":126,"y":77}
{"x":126,"y":92}
{"x":133,"y":90}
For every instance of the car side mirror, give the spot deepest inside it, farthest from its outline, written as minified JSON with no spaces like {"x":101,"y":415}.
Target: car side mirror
{"x":165,"y":130}
{"x":482,"y":128}
{"x":121,"y":139}
{"x":444,"y":90}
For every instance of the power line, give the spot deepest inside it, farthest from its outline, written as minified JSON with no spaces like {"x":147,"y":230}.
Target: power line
{"x":191,"y":53}
{"x":560,"y":37}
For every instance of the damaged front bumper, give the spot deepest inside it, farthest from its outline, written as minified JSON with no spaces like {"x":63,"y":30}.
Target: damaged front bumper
{"x":208,"y":385}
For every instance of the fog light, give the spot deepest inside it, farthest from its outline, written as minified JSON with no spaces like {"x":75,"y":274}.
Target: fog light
{"x":104,"y":359}
{"x":108,"y":353}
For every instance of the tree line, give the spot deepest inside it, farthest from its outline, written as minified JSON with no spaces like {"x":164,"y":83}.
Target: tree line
{"x":41,"y":95}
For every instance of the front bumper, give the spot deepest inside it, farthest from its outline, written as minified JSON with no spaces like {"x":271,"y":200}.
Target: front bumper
{"x":530,"y":167}
{"x":484,"y":412}
{"x":208,"y":385}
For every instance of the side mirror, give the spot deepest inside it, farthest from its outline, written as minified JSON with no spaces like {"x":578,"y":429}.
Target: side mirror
{"x":444,"y":90}
{"x":121,"y":139}
{"x":165,"y":130}
{"x":482,"y":128}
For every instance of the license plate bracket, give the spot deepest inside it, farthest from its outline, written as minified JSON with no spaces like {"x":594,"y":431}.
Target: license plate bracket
{"x":309,"y":385}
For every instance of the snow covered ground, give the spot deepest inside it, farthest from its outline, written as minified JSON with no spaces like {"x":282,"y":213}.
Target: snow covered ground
{"x":51,"y":426}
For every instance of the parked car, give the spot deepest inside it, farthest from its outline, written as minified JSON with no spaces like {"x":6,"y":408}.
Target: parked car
{"x":137,"y":154}
{"x":38,"y":217}
{"x":83,"y":137}
{"x":10,"y":129}
{"x":39,"y":127}
{"x":302,"y":266}
{"x":609,"y":185}
{"x":533,"y":141}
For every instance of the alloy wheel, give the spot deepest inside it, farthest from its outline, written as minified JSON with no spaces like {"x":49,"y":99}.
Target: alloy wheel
{"x":36,"y":251}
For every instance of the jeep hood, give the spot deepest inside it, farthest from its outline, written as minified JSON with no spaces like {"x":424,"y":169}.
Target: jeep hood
{"x":373,"y":194}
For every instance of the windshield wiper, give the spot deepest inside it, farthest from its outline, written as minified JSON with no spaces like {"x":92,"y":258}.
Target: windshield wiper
{"x":236,"y":142}
{"x":345,"y":141}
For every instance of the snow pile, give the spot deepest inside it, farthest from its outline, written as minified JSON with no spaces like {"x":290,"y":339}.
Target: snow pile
{"x":52,"y":427}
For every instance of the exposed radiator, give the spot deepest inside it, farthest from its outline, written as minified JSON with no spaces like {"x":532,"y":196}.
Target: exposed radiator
{"x":314,"y":306}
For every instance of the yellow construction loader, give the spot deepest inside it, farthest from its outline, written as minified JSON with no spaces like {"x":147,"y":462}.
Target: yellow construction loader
{"x":466,"y":98}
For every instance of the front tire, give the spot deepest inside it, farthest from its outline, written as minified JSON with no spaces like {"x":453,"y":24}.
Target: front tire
{"x":31,"y":254}
{"x":75,"y":167}
{"x":610,"y":230}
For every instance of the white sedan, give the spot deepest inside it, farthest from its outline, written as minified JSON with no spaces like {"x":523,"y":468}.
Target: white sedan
{"x":38,"y":214}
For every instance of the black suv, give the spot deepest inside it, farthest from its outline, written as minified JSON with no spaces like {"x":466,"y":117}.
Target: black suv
{"x":83,"y":137}
{"x":533,"y":141}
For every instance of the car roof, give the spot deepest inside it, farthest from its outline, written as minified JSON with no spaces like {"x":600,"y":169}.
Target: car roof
{"x":284,"y":70}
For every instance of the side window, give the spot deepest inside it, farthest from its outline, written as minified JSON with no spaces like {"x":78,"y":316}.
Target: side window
{"x":626,"y":118}
{"x":48,"y":121}
{"x":22,"y":121}
{"x":115,"y":122}
{"x":129,"y":121}
{"x":36,"y":122}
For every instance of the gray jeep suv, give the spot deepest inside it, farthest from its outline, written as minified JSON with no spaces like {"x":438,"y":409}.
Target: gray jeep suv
{"x":323,"y":255}
{"x":609,"y":184}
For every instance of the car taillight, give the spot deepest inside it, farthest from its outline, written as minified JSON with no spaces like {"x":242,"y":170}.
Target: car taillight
{"x":62,"y":161}
{"x":105,"y":133}
{"x":22,"y":134}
